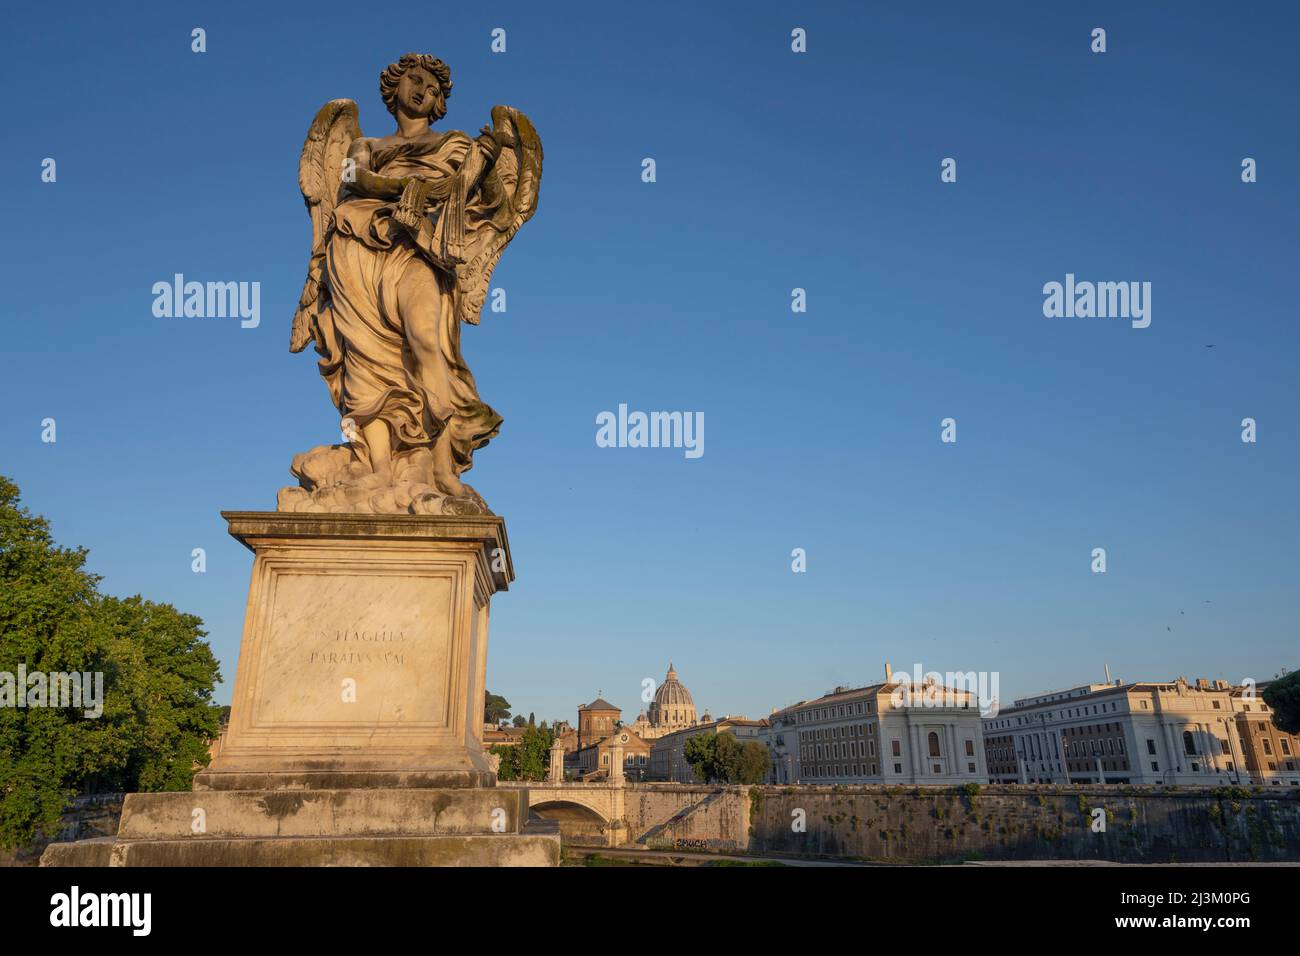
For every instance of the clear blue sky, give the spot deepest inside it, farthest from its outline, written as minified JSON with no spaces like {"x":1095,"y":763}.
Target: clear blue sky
{"x":775,"y":171}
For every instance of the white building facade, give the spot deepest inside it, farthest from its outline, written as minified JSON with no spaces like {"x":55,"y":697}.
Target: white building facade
{"x":1139,"y":733}
{"x":889,"y":733}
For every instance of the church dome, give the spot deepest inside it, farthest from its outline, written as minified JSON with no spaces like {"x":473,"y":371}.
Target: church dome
{"x":673,"y":706}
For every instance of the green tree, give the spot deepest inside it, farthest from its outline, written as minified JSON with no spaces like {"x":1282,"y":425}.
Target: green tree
{"x":158,"y":678}
{"x":159,"y":695}
{"x":534,"y":753}
{"x":753,"y":764}
{"x":699,"y":751}
{"x":509,"y":769}
{"x":520,"y":721}
{"x":721,"y":758}
{"x":527,"y":760}
{"x":1283,"y":695}
{"x":726,"y":758}
{"x":495,"y":708}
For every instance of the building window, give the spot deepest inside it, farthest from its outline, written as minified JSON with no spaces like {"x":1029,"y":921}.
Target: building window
{"x":1286,"y":747}
{"x":1151,"y":746}
{"x":1268,"y":746}
{"x":898,"y":768}
{"x":970,"y":768}
{"x":934,"y":744}
{"x":897,"y":748}
{"x":1189,"y":743}
{"x":970,"y":748}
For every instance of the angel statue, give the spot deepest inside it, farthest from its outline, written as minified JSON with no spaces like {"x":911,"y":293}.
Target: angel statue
{"x":406,"y":230}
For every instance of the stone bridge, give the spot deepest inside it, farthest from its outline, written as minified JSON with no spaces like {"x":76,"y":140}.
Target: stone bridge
{"x":613,"y":814}
{"x":588,"y":812}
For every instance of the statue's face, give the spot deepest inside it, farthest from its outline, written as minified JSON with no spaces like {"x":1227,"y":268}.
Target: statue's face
{"x":417,"y":92}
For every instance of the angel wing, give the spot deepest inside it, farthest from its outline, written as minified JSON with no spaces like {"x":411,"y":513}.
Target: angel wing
{"x":507,"y":199}
{"x":320,"y":175}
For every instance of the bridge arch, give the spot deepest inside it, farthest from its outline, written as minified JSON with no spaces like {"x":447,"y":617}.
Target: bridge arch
{"x":580,"y":821}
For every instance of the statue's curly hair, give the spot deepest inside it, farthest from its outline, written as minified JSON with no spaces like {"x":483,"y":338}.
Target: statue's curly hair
{"x":392,"y":74}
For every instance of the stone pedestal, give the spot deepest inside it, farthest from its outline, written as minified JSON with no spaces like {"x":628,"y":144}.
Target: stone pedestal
{"x":355,"y":733}
{"x":364,"y":652}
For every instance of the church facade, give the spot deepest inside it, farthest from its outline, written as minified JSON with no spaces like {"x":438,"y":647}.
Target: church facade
{"x":587,"y":747}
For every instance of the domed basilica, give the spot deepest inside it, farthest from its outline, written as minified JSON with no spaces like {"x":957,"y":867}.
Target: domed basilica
{"x":671,"y":710}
